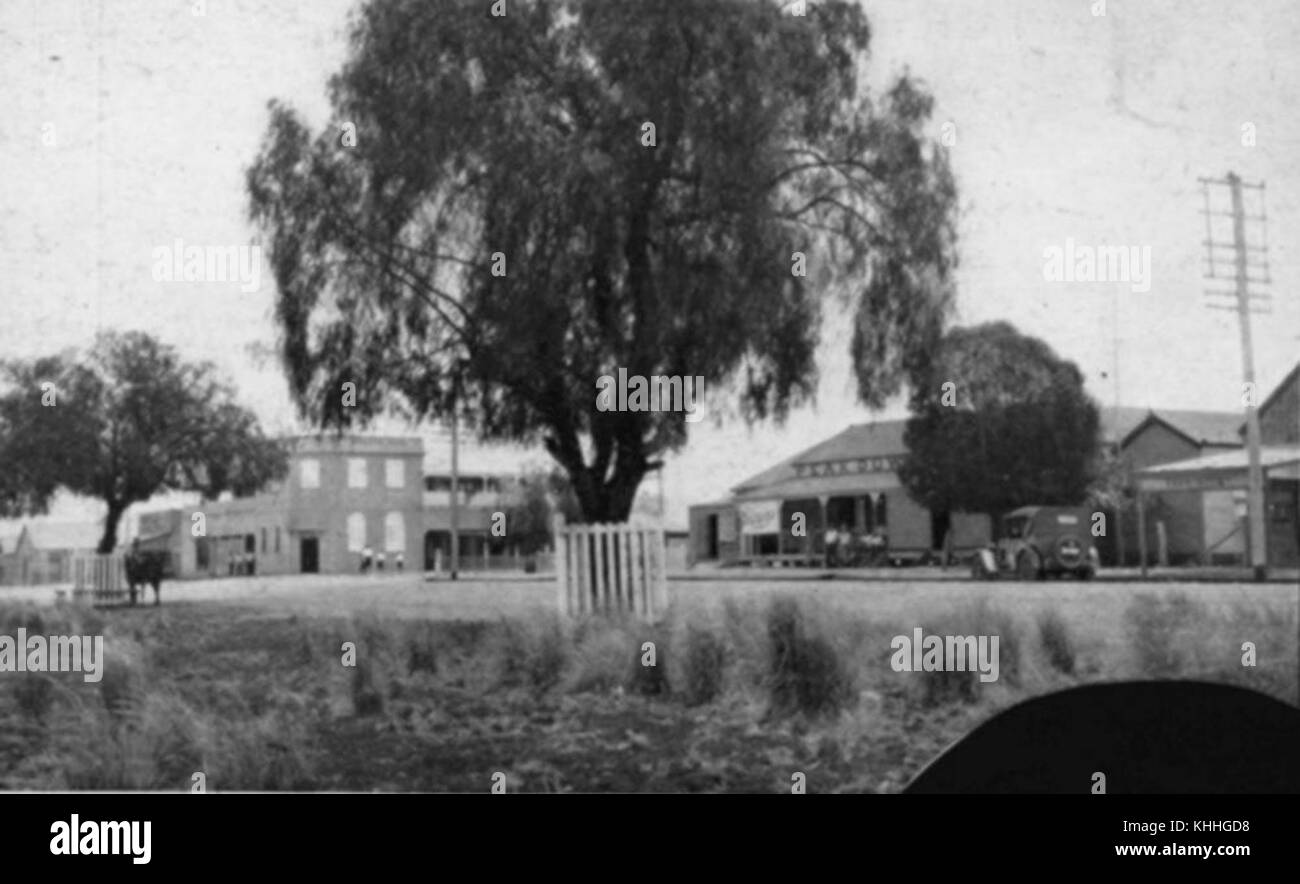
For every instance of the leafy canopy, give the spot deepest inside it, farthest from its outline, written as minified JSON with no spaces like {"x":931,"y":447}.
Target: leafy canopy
{"x":1000,"y":421}
{"x":121,"y":423}
{"x":463,"y":143}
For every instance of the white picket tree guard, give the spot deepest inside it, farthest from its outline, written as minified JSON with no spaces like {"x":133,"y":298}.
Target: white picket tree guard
{"x":611,"y":568}
{"x":100,"y":579}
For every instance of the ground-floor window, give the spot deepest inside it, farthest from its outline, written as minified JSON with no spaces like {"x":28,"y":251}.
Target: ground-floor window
{"x":394,"y":532}
{"x":356,"y":532}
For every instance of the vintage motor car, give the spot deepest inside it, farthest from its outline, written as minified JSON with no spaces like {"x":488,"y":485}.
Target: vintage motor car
{"x":1038,"y":541}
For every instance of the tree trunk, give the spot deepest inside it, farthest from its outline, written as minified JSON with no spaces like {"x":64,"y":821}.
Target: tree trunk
{"x":109,"y":540}
{"x":606,"y":487}
{"x":609,"y":501}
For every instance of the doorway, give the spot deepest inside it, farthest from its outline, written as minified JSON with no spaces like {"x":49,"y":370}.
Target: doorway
{"x":1283,"y":514}
{"x":309,"y":555}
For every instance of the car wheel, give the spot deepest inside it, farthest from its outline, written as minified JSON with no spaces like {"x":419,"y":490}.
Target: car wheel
{"x":1087,"y":574}
{"x":1026,"y":568}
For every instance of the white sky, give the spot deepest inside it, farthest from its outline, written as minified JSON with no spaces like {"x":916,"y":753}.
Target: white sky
{"x":1068,"y":125}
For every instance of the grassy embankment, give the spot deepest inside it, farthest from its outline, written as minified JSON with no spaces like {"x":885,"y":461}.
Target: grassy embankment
{"x":741,"y":697}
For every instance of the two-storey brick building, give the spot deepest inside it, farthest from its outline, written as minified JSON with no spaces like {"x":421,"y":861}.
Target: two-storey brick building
{"x":341,"y":495}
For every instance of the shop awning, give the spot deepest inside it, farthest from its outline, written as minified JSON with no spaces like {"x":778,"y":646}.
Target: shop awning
{"x":1226,"y":470}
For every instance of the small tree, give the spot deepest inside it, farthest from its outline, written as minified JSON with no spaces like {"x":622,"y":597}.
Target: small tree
{"x":999,"y":421}
{"x":125,"y":421}
{"x":538,"y":497}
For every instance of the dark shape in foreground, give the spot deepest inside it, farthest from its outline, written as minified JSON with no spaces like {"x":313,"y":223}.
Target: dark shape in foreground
{"x":145,"y":568}
{"x":1166,"y":737}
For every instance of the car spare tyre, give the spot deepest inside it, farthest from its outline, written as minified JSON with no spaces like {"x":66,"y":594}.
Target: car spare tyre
{"x":1070,"y":552}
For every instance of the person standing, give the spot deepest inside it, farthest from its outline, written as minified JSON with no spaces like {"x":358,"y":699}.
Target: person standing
{"x":400,"y":561}
{"x":379,"y":560}
{"x":832,"y":545}
{"x":366,"y":557}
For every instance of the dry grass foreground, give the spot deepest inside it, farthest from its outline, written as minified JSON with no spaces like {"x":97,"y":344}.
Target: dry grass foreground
{"x":743,"y":695}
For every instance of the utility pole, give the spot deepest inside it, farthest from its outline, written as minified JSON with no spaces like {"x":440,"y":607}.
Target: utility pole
{"x":1256,"y":472}
{"x":1119,"y":454}
{"x":455,"y":492}
{"x":1242,"y":263}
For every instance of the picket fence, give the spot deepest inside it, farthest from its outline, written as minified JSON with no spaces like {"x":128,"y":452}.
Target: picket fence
{"x":100,"y":579}
{"x":610,"y":568}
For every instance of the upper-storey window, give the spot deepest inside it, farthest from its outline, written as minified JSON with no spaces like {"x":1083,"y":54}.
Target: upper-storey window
{"x":357,"y":477}
{"x":309,"y":473}
{"x":395,"y":472}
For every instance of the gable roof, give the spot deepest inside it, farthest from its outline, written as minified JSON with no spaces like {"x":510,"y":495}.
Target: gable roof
{"x":1291,"y":378}
{"x":1117,"y":423}
{"x":859,"y":440}
{"x":1200,"y":427}
{"x":881,"y":438}
{"x":885,"y":438}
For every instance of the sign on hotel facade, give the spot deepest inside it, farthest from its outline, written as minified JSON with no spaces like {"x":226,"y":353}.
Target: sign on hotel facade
{"x":883,"y":464}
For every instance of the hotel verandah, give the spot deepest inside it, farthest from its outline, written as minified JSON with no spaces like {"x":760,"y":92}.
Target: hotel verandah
{"x":849,"y":479}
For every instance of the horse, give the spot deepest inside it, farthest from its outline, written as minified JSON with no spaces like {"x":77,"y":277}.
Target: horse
{"x":145,"y":568}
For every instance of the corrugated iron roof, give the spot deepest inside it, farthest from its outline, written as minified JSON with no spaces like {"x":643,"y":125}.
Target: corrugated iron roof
{"x":1229,"y":461}
{"x":1205,"y":427}
{"x":885,"y":438}
{"x":1202,"y":427}
{"x":1117,"y":423}
{"x":878,"y":439}
{"x":1290,"y":379}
